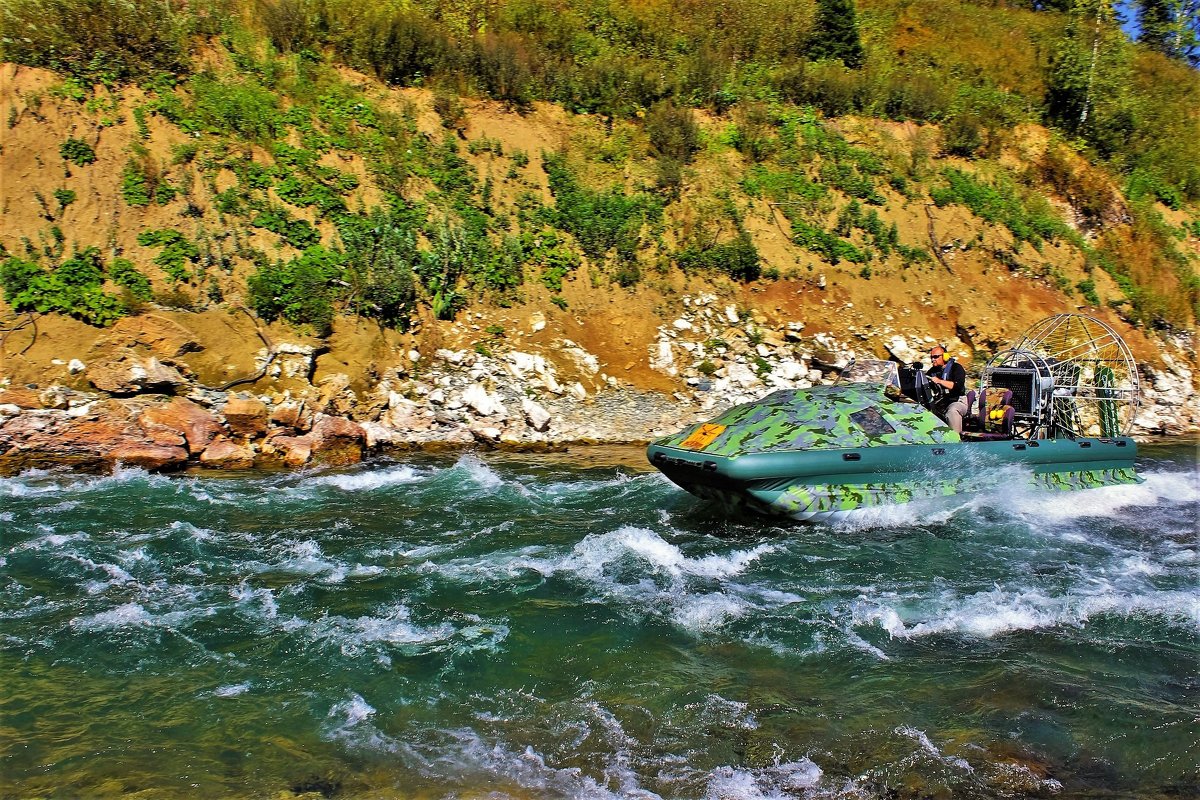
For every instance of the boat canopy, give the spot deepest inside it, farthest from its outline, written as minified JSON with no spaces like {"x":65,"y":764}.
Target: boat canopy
{"x":820,"y":418}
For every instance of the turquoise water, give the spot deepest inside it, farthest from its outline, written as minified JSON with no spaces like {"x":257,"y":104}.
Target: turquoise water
{"x":575,"y":626}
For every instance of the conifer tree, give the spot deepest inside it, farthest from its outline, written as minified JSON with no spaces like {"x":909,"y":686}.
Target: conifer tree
{"x":835,"y":34}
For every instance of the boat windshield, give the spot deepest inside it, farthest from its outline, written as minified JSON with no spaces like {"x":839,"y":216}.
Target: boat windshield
{"x":873,"y":371}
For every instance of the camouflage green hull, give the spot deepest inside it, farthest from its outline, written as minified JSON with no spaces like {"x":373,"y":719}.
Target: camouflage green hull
{"x":831,"y":451}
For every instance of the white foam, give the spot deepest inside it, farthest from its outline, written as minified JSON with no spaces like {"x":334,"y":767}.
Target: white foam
{"x":193,"y":531}
{"x":483,"y":476}
{"x":928,"y":747}
{"x":998,"y":611}
{"x":778,"y":782}
{"x":263,"y":598}
{"x":134,"y":615}
{"x":708,"y":612}
{"x":597,"y":551}
{"x":231,"y":690}
{"x":369,"y":480}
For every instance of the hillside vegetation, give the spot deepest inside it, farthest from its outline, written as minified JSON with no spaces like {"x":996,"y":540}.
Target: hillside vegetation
{"x":315,"y":158}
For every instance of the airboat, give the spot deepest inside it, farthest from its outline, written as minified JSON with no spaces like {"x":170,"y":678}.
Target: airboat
{"x":1054,"y":410}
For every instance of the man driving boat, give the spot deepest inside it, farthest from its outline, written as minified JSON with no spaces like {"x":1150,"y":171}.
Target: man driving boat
{"x":951,"y":376}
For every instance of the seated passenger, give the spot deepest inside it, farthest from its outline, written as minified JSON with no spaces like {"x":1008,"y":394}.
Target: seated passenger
{"x":951,"y":376}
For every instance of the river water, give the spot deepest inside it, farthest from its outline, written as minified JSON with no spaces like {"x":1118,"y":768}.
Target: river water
{"x":574,"y":626}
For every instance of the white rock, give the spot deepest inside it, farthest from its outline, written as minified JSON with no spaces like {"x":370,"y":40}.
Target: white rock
{"x":682,"y":324}
{"x":414,"y":356}
{"x":577,"y":391}
{"x":586,"y":362}
{"x":76,"y":366}
{"x":537,"y":417}
{"x":9,"y":409}
{"x":537,"y":321}
{"x":662,"y":358}
{"x":741,"y":375}
{"x":482,"y":402}
{"x":437,"y":397}
{"x":731,"y":314}
{"x":486,"y":433}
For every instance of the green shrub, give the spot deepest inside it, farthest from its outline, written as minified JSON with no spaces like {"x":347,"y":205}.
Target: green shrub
{"x":176,"y":250}
{"x":672,"y":131}
{"x":244,"y":108}
{"x":299,"y":233}
{"x":738,"y":258}
{"x":301,"y":291}
{"x":97,"y":41}
{"x":125,"y":274}
{"x":380,"y":251}
{"x":77,"y":151}
{"x":600,"y":221}
{"x":135,"y":186}
{"x":74,"y":288}
{"x":64,"y":197}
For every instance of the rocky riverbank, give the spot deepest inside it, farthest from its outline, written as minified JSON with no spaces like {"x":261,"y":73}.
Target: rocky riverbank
{"x":143,"y":405}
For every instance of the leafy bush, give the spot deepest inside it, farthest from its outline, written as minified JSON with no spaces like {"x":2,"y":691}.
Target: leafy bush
{"x":1031,"y":220}
{"x":738,"y":258}
{"x":381,"y":249}
{"x":125,"y":274}
{"x":176,"y":250}
{"x":673,"y":131}
{"x":64,"y":197}
{"x":301,"y":291}
{"x":77,"y":151}
{"x":299,"y":233}
{"x":97,"y":41}
{"x":244,"y":108}
{"x":599,"y":221}
{"x":74,"y":288}
{"x":135,"y":185}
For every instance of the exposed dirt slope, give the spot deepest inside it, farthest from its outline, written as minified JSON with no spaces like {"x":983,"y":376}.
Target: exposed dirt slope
{"x":968,"y":298}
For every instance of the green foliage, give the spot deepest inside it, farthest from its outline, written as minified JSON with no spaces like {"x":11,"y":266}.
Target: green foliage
{"x":77,"y":151}
{"x":74,"y":288}
{"x":1029,"y":219}
{"x":176,"y":251}
{"x":125,"y":274}
{"x":601,"y":222}
{"x":672,"y":131}
{"x":1088,"y":289}
{"x":64,"y":197}
{"x":739,"y":258}
{"x":301,"y":290}
{"x":135,"y":185}
{"x":547,"y":250}
{"x":299,"y":233}
{"x":241,"y":107}
{"x":835,"y":34}
{"x":97,"y":41}
{"x":380,"y":253}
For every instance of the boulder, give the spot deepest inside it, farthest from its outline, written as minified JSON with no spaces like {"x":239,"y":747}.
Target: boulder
{"x":105,"y":435}
{"x":127,"y":374}
{"x":536,"y":417}
{"x":21,"y":398}
{"x":292,"y":414}
{"x":482,"y":402}
{"x":225,"y":454}
{"x":195,"y":425}
{"x":246,"y":417}
{"x":292,"y":451}
{"x":336,"y":441}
